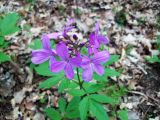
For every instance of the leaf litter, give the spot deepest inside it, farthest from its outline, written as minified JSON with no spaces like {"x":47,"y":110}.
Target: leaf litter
{"x":136,"y":27}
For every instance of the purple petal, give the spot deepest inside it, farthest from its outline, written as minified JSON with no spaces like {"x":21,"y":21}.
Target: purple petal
{"x":76,"y":61}
{"x":62,"y":51}
{"x":85,"y":62}
{"x":54,"y":52}
{"x":58,"y":66}
{"x":90,"y":51}
{"x":40,"y":56}
{"x":54,"y":35}
{"x":97,"y":28}
{"x":96,"y":43}
{"x":101,"y":57}
{"x":92,"y":39}
{"x":98,"y":69}
{"x":102,"y":39}
{"x":51,"y":61}
{"x":95,"y":50}
{"x":46,"y":42}
{"x":69,"y":71}
{"x":87,"y":74}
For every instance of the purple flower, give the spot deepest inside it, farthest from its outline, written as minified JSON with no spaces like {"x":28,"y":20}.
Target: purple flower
{"x":90,"y":65}
{"x":95,"y":39}
{"x":42,"y":55}
{"x":67,"y":63}
{"x":68,"y":27}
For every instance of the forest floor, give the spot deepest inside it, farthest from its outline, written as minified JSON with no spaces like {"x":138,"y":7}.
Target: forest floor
{"x":132,"y":27}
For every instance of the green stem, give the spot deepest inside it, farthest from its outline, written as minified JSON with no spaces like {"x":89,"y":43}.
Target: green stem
{"x":80,"y":83}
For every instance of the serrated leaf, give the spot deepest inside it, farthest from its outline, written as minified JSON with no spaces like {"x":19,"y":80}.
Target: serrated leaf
{"x":62,"y":104}
{"x":63,"y":85}
{"x":123,"y":114}
{"x":72,"y":114}
{"x":102,"y":98}
{"x":8,"y":24}
{"x":50,"y":82}
{"x":76,"y":92}
{"x":72,"y":85}
{"x":98,"y":110}
{"x":43,"y":69}
{"x":4,"y":57}
{"x":52,"y":114}
{"x":111,"y":72}
{"x":94,"y":88}
{"x":73,"y":103}
{"x":100,"y":78}
{"x":72,"y":110}
{"x":113,"y":59}
{"x":83,"y":108}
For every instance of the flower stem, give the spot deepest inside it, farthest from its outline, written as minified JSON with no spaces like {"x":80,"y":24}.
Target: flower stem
{"x":80,"y":83}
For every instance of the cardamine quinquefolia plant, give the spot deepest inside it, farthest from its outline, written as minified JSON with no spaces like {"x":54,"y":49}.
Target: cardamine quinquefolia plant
{"x":79,"y":67}
{"x":68,"y":49}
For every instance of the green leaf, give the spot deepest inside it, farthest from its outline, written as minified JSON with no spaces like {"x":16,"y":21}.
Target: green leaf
{"x":72,"y":110}
{"x":36,"y":44}
{"x":111,"y":72}
{"x":8,"y":24}
{"x":84,"y":50}
{"x":83,"y":108}
{"x":100,"y":78}
{"x":76,"y":92}
{"x":62,"y":104}
{"x":4,"y":57}
{"x":73,"y":85}
{"x":73,"y":103}
{"x":123,"y":114}
{"x":72,"y":114}
{"x":94,"y":88}
{"x":44,"y":70}
{"x":153,"y":59}
{"x":50,"y":82}
{"x":63,"y":85}
{"x":98,"y":110}
{"x":1,"y":40}
{"x":52,"y":114}
{"x":113,"y":59}
{"x":102,"y":98}
{"x":116,"y":91}
{"x":4,"y":44}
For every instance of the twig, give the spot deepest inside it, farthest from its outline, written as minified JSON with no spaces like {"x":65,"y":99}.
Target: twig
{"x":144,"y":116}
{"x":139,"y":93}
{"x":147,"y":97}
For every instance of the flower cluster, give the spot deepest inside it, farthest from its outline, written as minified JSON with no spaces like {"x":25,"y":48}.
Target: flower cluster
{"x":68,"y":49}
